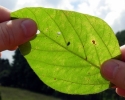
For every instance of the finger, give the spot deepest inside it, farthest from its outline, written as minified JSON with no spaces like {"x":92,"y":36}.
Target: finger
{"x":114,"y":71}
{"x":16,"y":32}
{"x":122,"y":48}
{"x":13,"y":48}
{"x":120,"y":91}
{"x":4,"y":14}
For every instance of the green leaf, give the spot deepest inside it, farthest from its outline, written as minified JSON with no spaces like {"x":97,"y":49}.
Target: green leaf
{"x":68,"y":51}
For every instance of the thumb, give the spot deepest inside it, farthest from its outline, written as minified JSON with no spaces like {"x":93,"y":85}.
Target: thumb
{"x":16,"y":32}
{"x":114,"y":71}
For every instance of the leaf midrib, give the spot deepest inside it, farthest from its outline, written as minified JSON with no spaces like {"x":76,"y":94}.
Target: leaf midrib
{"x":62,"y":45}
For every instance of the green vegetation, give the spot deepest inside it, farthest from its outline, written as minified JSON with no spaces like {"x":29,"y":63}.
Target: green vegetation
{"x":67,"y":53}
{"x":8,"y":93}
{"x":121,"y":37}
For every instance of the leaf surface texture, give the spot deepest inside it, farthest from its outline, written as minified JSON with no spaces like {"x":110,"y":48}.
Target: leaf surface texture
{"x":69,"y":50}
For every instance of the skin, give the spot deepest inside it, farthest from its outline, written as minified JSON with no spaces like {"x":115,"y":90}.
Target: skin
{"x":19,"y":31}
{"x":14,"y":32}
{"x":114,"y":71}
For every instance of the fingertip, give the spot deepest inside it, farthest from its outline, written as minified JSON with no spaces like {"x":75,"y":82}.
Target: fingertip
{"x":122,"y":48}
{"x":4,"y":14}
{"x":13,"y":48}
{"x":114,"y":71}
{"x":109,"y":69}
{"x":16,"y":32}
{"x":29,"y":27}
{"x":120,"y":92}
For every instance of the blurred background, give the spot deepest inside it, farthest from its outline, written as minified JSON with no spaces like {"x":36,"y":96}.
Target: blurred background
{"x":17,"y":79}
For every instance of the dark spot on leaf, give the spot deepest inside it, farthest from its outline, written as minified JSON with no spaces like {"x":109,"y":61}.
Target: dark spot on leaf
{"x":93,"y":41}
{"x":68,"y":43}
{"x":86,"y":58}
{"x":54,"y":78}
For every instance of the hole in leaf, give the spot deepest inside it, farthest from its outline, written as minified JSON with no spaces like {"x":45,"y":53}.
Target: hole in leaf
{"x":38,"y":32}
{"x":68,"y":43}
{"x":58,"y":33}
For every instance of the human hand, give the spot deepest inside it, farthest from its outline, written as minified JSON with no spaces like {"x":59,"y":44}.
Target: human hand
{"x":114,"y":71}
{"x":14,"y":32}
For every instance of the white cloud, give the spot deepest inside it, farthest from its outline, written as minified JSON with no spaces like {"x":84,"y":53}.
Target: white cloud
{"x":10,"y":4}
{"x":116,"y":5}
{"x":60,"y":4}
{"x":27,"y":3}
{"x":111,"y":17}
{"x":65,"y":4}
{"x":8,"y":54}
{"x":114,"y":17}
{"x":89,"y":7}
{"x":119,"y":23}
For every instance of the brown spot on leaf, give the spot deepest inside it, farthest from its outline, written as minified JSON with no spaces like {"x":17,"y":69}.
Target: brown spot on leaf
{"x":54,"y":78}
{"x":93,"y":41}
{"x":86,"y":58}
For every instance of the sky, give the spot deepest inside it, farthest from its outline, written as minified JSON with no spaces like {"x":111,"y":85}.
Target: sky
{"x":111,"y":11}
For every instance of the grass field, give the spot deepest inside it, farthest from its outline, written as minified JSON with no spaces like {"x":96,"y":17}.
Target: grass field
{"x":8,"y":93}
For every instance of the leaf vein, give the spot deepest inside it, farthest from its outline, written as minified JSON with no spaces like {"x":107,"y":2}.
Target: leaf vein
{"x":76,"y":33}
{"x":98,"y":35}
{"x":56,"y":25}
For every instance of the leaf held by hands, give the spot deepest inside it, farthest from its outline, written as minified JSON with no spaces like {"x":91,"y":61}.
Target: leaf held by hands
{"x":69,"y":50}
